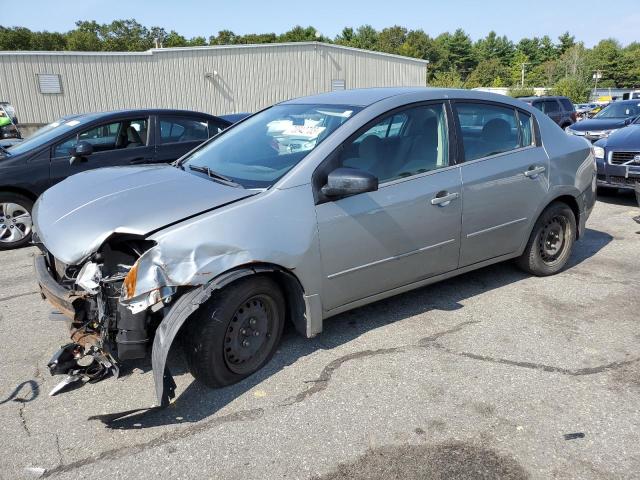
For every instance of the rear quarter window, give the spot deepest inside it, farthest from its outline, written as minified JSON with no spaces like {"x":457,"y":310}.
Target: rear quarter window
{"x":566,"y":104}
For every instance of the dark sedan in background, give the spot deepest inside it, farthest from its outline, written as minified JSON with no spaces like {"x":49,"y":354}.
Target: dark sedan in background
{"x":77,"y":143}
{"x":611,"y":118}
{"x":618,"y":158}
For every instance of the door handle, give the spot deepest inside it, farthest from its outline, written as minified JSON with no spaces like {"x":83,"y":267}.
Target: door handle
{"x":534,"y":171}
{"x":444,"y":198}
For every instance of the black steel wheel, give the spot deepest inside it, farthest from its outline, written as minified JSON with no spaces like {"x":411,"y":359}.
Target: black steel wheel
{"x":236,"y":332}
{"x":250,"y":334}
{"x":551,"y":241}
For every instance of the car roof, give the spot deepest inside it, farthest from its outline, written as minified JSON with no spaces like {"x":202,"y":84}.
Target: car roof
{"x":126,"y":112}
{"x":364,"y":97}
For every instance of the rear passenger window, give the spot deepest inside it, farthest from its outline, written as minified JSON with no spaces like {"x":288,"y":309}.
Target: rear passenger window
{"x":177,"y":129}
{"x":526,"y":129}
{"x":400,"y":145}
{"x":487,"y":129}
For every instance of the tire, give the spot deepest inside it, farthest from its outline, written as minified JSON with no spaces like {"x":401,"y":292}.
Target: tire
{"x":15,"y":220}
{"x":215,"y":335}
{"x":551,"y":241}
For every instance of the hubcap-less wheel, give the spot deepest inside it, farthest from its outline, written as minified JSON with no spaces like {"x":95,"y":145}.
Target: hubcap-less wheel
{"x":15,"y":222}
{"x":249,"y":334}
{"x":553,"y":239}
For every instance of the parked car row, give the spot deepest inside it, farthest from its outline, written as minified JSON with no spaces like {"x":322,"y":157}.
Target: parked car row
{"x":615,"y":133}
{"x":310,"y":208}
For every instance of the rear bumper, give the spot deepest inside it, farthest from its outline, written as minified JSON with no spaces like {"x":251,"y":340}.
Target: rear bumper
{"x":65,"y":301}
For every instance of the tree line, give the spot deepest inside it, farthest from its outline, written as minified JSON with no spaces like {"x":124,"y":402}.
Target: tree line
{"x":563,"y":65}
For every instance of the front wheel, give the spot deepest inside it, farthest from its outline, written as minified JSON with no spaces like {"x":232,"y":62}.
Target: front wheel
{"x":551,"y":241}
{"x":15,"y":220}
{"x":236,"y":332}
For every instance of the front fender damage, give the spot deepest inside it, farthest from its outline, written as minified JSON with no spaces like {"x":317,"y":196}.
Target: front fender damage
{"x":156,"y":275}
{"x":173,"y":321}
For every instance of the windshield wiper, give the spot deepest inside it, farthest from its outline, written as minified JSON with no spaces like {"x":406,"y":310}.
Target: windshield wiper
{"x":4,"y":150}
{"x":214,"y":175}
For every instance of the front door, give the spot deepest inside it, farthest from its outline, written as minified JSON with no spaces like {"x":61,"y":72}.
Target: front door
{"x":505,"y":178}
{"x":115,"y":143}
{"x":407,"y":230}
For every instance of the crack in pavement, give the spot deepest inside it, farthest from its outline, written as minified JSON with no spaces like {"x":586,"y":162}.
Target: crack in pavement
{"x":327,"y":372}
{"x":574,"y":372}
{"x":23,"y":420}
{"x":322,"y":382}
{"x":166,"y":437}
{"x":17,"y":295}
{"x":318,"y":385}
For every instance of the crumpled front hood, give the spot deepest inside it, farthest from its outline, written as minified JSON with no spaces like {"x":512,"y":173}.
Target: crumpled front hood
{"x":76,"y":216}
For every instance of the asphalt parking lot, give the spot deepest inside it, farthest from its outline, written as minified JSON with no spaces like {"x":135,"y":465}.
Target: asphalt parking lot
{"x":481,"y":376}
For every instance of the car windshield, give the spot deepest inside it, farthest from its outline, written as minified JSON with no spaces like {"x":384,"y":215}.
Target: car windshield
{"x":620,"y":110}
{"x":260,"y":150}
{"x":44,"y":134}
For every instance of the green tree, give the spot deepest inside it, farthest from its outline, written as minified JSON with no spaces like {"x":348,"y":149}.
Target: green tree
{"x":16,"y":38}
{"x":488,"y":73}
{"x":391,"y":39}
{"x":565,"y":42}
{"x":573,"y":87}
{"x":493,"y":47}
{"x":450,"y":79}
{"x":174,"y":39}
{"x":606,"y":57}
{"x":224,"y":37}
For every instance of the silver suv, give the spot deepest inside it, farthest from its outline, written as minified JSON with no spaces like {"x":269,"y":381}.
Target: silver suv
{"x":307,"y":209}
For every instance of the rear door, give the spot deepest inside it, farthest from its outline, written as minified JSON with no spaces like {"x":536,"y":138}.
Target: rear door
{"x":115,"y":143}
{"x":407,"y":230}
{"x":179,"y":134}
{"x":504,"y":173}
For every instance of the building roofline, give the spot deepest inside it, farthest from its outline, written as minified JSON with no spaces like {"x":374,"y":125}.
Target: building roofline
{"x":155,"y":51}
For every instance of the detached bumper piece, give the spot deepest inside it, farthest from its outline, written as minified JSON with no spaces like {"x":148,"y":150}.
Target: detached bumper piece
{"x":83,"y":360}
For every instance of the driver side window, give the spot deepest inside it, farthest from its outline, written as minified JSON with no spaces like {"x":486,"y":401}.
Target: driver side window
{"x":106,"y":137}
{"x":402,"y":144}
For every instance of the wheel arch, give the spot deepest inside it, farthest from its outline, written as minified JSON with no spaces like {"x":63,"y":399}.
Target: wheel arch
{"x":18,"y":191}
{"x":298,"y":312}
{"x":572,"y":202}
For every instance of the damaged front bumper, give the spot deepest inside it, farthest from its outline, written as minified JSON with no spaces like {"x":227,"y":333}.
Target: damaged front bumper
{"x":98,"y":340}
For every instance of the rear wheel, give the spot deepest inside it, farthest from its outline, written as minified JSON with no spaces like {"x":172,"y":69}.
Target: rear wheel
{"x":236,"y":332}
{"x":15,"y":220}
{"x":551,"y":241}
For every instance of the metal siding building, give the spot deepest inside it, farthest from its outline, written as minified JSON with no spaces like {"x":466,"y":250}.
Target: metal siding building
{"x":218,"y":80}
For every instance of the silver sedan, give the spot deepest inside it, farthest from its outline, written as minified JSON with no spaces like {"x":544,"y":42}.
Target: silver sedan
{"x":307,"y":209}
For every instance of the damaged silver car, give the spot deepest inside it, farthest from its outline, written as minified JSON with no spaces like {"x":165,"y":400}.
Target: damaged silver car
{"x":307,"y":209}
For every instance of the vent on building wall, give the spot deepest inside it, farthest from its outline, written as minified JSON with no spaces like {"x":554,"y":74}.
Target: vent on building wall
{"x":49,"y":83}
{"x":337,"y":85}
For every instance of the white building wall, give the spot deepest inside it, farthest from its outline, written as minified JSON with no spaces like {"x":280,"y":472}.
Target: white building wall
{"x":218,"y":80}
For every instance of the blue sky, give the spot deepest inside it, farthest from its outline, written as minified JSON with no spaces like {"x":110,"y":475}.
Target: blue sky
{"x":588,"y":20}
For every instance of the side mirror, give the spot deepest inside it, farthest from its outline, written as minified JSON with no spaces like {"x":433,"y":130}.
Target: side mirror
{"x":344,"y":181}
{"x":80,"y":151}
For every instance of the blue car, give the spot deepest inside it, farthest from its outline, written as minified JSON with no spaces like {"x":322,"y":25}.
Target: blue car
{"x":618,"y":158}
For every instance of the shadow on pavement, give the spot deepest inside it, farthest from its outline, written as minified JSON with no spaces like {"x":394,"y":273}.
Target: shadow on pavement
{"x":618,"y":197}
{"x":198,"y":402}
